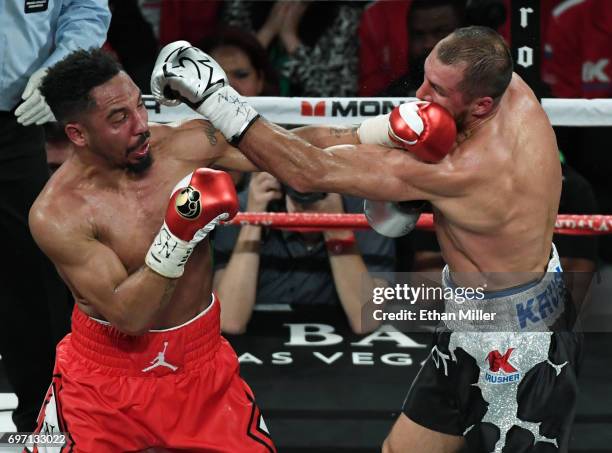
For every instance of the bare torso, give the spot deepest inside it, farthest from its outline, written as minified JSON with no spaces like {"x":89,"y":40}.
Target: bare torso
{"x":503,"y":225}
{"x":126,"y":216}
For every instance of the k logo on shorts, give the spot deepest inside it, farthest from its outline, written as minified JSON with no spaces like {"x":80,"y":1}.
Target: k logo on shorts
{"x":501,"y":371}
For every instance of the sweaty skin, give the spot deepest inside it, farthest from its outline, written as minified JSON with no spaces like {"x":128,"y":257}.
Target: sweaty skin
{"x":495,"y":196}
{"x":504,"y":219}
{"x":96,"y":219}
{"x":121,"y":213}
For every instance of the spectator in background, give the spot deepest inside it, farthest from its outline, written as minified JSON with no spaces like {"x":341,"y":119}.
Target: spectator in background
{"x":34,"y":310}
{"x":133,"y":42}
{"x":249,"y":263}
{"x":384,"y":53}
{"x":383,"y":45}
{"x":57,"y":146}
{"x":190,"y":20}
{"x":151,"y":12}
{"x":577,"y":56}
{"x":244,"y":60}
{"x":255,"y":265}
{"x":314,"y":45}
{"x":427,"y":21}
{"x":578,"y":253}
{"x":246,"y":64}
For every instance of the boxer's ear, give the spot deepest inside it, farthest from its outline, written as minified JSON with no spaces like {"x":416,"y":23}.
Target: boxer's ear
{"x":76,"y":134}
{"x":482,"y":106}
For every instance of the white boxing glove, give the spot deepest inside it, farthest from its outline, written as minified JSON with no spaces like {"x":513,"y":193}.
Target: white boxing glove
{"x":392,"y":219}
{"x":183,"y":73}
{"x":34,"y":109}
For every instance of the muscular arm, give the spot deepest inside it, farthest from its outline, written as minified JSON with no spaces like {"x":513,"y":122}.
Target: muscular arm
{"x":326,"y":136}
{"x":367,"y":171}
{"x":198,"y":141}
{"x":92,"y":270}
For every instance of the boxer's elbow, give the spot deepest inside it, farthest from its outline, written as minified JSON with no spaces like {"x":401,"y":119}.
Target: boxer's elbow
{"x":131,"y":327}
{"x":233,"y":327}
{"x":302,"y":184}
{"x":308,"y":178}
{"x":133,"y":331}
{"x":359,"y":329}
{"x":130,"y":323}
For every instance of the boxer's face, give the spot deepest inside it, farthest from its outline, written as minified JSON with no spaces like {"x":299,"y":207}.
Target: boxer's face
{"x":441,"y":85}
{"x":117,"y":127}
{"x":243,"y":77}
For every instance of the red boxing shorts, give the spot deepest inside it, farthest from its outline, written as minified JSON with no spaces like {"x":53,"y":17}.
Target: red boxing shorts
{"x":176,"y":389}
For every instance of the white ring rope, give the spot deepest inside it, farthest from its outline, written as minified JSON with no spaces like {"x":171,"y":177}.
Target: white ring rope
{"x":350,"y":111}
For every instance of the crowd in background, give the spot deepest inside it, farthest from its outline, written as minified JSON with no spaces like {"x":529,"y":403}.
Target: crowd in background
{"x":336,"y":48}
{"x":344,"y":48}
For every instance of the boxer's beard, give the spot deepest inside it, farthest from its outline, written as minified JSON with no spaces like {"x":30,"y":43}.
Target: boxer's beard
{"x":460,"y":120}
{"x":142,"y":164}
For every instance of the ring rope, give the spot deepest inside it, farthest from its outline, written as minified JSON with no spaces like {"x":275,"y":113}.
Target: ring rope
{"x":351,"y":111}
{"x":568,"y":224}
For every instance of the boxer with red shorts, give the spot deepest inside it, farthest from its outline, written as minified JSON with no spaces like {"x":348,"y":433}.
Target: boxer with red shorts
{"x":158,"y":376}
{"x":145,"y":367}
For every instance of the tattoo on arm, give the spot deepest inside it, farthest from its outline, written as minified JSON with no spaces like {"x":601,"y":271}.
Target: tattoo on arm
{"x":210,"y":131}
{"x":339,"y":132}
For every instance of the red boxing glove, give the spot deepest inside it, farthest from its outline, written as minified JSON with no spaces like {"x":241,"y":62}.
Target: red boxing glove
{"x":198,"y":203}
{"x":424,"y":128}
{"x":209,"y":195}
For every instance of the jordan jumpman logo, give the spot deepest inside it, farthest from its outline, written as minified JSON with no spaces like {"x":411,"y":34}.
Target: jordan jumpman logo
{"x":160,"y":360}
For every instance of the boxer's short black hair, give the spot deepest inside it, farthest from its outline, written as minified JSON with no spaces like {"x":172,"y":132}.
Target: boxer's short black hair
{"x":68,"y":84}
{"x":488,"y":60}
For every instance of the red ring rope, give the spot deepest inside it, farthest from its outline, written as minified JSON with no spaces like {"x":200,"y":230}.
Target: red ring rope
{"x":571,"y":224}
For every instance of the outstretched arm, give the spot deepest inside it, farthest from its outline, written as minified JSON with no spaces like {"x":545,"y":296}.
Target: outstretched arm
{"x":326,"y":136}
{"x":198,"y":140}
{"x":370,"y":171}
{"x":367,"y":171}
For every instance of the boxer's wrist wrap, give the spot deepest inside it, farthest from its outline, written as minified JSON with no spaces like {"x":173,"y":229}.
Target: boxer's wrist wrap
{"x":375,"y":131}
{"x":168,"y":254}
{"x":229,"y":112}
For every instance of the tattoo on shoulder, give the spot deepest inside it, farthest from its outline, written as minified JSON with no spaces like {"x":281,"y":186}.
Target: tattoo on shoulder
{"x":339,"y":132}
{"x":210,"y":131}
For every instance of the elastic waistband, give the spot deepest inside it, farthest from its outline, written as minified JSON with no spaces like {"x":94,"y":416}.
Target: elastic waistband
{"x":155,"y":353}
{"x":534,"y":306}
